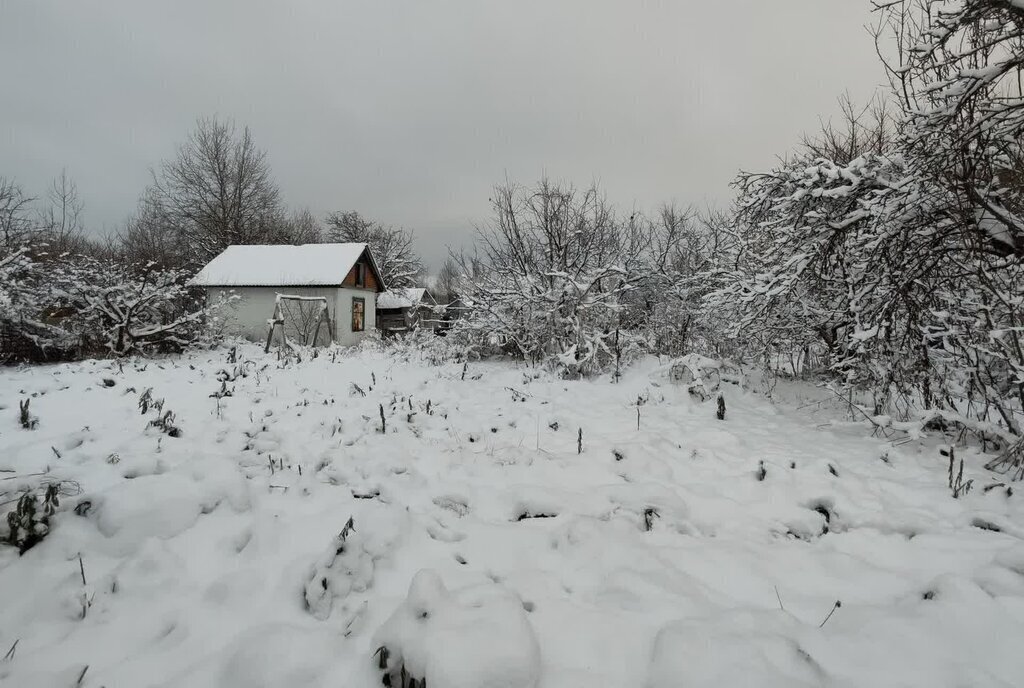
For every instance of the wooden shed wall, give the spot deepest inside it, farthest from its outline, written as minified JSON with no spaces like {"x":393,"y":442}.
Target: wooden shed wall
{"x":371,"y":276}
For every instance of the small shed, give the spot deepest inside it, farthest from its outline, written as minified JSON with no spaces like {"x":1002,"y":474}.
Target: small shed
{"x":400,"y":310}
{"x":342,"y":276}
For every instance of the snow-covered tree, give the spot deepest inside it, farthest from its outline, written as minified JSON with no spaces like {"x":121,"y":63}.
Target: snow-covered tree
{"x":392,"y":247}
{"x":551,"y":274}
{"x":127,"y":309}
{"x":957,"y":70}
{"x":899,"y":260}
{"x":893,"y":247}
{"x":667,"y":306}
{"x":97,"y":307}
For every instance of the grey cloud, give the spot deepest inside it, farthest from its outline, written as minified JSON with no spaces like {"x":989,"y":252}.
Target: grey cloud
{"x":410,"y":111}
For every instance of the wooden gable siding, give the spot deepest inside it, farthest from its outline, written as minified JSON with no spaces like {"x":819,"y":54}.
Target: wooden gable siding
{"x":371,"y":275}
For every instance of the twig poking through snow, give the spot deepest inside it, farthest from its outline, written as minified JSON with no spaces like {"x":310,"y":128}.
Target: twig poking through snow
{"x":10,"y":653}
{"x":957,"y":484}
{"x":81,"y":568}
{"x":383,"y":423}
{"x":779,"y":598}
{"x":26,"y":419}
{"x":81,"y":676}
{"x":579,"y":442}
{"x":835,"y":606}
{"x":650,"y":513}
{"x":1010,"y":461}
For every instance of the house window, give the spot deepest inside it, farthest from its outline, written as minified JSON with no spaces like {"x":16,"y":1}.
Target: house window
{"x":358,"y":314}
{"x":360,"y":274}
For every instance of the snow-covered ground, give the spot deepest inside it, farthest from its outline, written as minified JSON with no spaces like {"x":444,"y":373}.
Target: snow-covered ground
{"x":654,"y":558}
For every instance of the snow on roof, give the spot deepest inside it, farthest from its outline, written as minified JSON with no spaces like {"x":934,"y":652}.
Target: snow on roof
{"x":280,"y":266}
{"x":401,"y":298}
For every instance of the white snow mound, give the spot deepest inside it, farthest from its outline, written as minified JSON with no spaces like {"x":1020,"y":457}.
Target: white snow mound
{"x":733,"y":649}
{"x":478,"y":637}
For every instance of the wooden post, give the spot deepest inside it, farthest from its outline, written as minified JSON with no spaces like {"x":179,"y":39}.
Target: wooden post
{"x":331,"y":332}
{"x":270,"y":336}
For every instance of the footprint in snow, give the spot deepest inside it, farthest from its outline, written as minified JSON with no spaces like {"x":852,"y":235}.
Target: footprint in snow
{"x":454,"y":503}
{"x":444,"y":534}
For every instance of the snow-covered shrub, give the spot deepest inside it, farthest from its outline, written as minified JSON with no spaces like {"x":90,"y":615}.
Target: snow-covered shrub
{"x":345,"y":567}
{"x":89,"y":306}
{"x":423,"y":344}
{"x":560,"y":279}
{"x":132,"y":309}
{"x":165,"y":423}
{"x":700,"y":375}
{"x":29,"y":522}
{"x":478,"y":637}
{"x":25,"y":329}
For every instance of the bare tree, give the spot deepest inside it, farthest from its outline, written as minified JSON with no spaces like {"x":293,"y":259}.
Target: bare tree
{"x":15,"y":221}
{"x":146,"y":238}
{"x":860,"y":129}
{"x":301,"y":227}
{"x":447,"y":284}
{"x":392,"y":247}
{"x":217,"y":191}
{"x":60,"y":222}
{"x":350,"y":226}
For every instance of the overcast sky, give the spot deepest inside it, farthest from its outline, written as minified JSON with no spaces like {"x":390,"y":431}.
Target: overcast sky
{"x":410,"y":111}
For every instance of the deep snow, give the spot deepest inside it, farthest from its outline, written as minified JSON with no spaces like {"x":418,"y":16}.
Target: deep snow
{"x":200,"y":552}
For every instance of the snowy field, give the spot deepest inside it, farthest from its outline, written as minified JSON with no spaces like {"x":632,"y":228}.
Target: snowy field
{"x":686,"y":552}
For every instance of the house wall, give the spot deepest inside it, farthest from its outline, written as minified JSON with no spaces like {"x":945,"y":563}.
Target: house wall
{"x":344,"y":310}
{"x":247,"y":315}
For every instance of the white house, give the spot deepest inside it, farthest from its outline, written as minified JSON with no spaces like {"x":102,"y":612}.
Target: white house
{"x":344,"y":275}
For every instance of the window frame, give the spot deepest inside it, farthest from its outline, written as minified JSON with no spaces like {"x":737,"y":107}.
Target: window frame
{"x":360,"y":274}
{"x":362,"y":303}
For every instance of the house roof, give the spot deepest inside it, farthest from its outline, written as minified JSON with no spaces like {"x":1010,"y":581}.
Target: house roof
{"x":401,"y":298}
{"x":280,"y":265}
